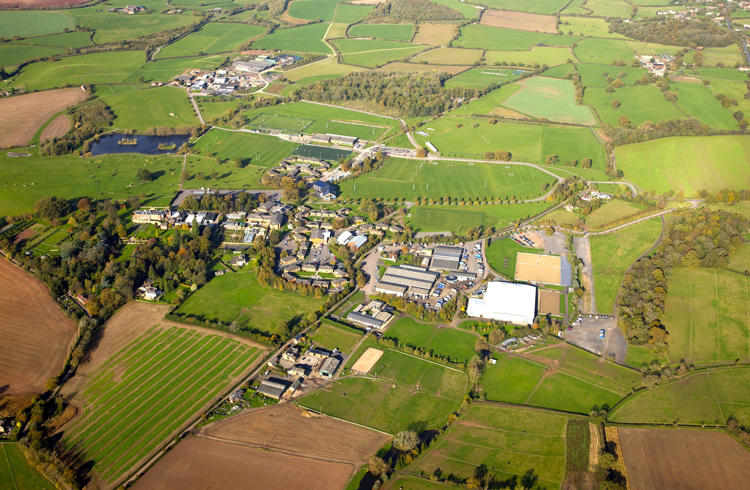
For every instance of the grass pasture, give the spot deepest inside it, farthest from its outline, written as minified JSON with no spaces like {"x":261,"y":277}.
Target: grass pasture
{"x":376,"y":58}
{"x":435,"y":34}
{"x":347,"y":13}
{"x":512,"y":379}
{"x":214,"y":37}
{"x":458,"y":220}
{"x":333,"y":335}
{"x":160,"y":106}
{"x":411,"y":179}
{"x":706,"y":314}
{"x":699,"y":102}
{"x":597,"y":75}
{"x":604,"y":51}
{"x":483,"y":77}
{"x":313,"y":10}
{"x":16,"y":473}
{"x":519,"y":20}
{"x":239,"y":297}
{"x":536,"y":56}
{"x":509,"y":440}
{"x":612,"y":211}
{"x":14,"y":54}
{"x":395,"y":32}
{"x":409,"y":392}
{"x":456,"y":345}
{"x":639,"y":104}
{"x":449,"y":56}
{"x":536,"y":6}
{"x":687,"y":164}
{"x":613,"y":253}
{"x":587,"y":27}
{"x":33,"y":22}
{"x":501,"y":254}
{"x":326,"y":67}
{"x":499,"y":39}
{"x":549,"y":98}
{"x":112,"y":26}
{"x":490,"y":104}
{"x":302,"y":39}
{"x":164,"y":70}
{"x":147,"y":390}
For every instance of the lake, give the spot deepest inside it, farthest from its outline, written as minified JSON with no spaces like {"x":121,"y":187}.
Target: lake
{"x":147,"y":144}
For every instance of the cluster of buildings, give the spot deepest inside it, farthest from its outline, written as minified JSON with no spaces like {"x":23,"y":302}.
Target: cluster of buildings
{"x":655,"y":64}
{"x":299,"y":364}
{"x":128,"y":9}
{"x":166,"y":218}
{"x":373,"y":315}
{"x":592,"y":195}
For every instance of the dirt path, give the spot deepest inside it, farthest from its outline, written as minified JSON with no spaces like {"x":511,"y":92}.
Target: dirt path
{"x":582,"y":248}
{"x":195,"y":106}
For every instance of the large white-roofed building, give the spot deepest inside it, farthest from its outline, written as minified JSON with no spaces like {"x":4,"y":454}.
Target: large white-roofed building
{"x":505,"y":301}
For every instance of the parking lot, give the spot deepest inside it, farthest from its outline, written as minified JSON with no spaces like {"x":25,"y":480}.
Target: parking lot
{"x":587,"y":334}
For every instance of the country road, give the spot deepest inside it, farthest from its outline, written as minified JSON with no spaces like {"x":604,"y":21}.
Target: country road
{"x":195,"y":106}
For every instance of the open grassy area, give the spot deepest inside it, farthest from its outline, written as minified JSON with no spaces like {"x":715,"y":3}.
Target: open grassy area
{"x":707,"y":316}
{"x":687,"y":164}
{"x":313,"y":10}
{"x":501,"y":254}
{"x":16,"y":473}
{"x":33,"y":22}
{"x":613,"y":253}
{"x":264,"y":151}
{"x":508,"y":440}
{"x":397,"y":32}
{"x":107,"y":67}
{"x":706,"y":397}
{"x":161,"y":106}
{"x":535,"y":7}
{"x":409,"y":392}
{"x":165,"y":70}
{"x":549,"y":98}
{"x":239,"y":297}
{"x":490,"y":104}
{"x":456,"y":345}
{"x":500,"y":39}
{"x":302,"y":39}
{"x":328,"y":67}
{"x":410,"y":179}
{"x":587,"y":27}
{"x":214,"y":37}
{"x":347,"y":13}
{"x":113,"y":26}
{"x":597,"y":75}
{"x":483,"y":77}
{"x":376,"y":58}
{"x":536,"y":56}
{"x":699,"y":102}
{"x":332,"y":335}
{"x":458,"y":219}
{"x":25,"y":180}
{"x":512,"y":379}
{"x":74,"y":39}
{"x":605,"y":51}
{"x":639,"y":104}
{"x":142,"y":394}
{"x":449,"y":56}
{"x":612,"y":211}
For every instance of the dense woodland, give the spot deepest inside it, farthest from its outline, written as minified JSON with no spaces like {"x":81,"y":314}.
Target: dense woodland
{"x":693,"y":32}
{"x":623,"y":135}
{"x":404,"y":94}
{"x":702,"y":238}
{"x":406,"y":11}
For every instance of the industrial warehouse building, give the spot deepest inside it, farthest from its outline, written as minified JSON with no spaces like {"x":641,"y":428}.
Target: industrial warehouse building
{"x":507,"y":302}
{"x":446,"y":258}
{"x":407,"y":280}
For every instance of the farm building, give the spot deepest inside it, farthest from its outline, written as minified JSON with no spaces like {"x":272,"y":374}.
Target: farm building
{"x":505,"y":301}
{"x":329,"y":367}
{"x":415,"y":281}
{"x":446,"y":258}
{"x":543,"y":269}
{"x":273,"y":387}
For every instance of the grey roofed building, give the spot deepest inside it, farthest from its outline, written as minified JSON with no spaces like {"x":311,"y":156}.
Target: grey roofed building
{"x":342,"y":140}
{"x":365,"y":320}
{"x":319,"y":352}
{"x":273,"y":387}
{"x":417,"y":280}
{"x":446,"y":258}
{"x":330,"y":366}
{"x":388,"y":288}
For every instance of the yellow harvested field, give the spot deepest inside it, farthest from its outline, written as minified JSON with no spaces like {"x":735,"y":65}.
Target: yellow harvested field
{"x":549,"y":302}
{"x":367,"y":360}
{"x":327,"y":66}
{"x":435,"y":34}
{"x":538,"y":268}
{"x":22,"y":116}
{"x":450,"y":56}
{"x":519,"y":20}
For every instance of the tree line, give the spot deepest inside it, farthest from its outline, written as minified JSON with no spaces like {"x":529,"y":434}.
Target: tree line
{"x":679,"y":32}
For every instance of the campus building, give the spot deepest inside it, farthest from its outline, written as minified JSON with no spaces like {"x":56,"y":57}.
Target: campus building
{"x":507,"y":302}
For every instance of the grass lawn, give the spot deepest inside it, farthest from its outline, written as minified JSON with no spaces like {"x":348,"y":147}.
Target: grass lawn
{"x":706,"y":397}
{"x":263,"y":151}
{"x":549,"y":98}
{"x":455,"y":345}
{"x":612,"y":211}
{"x":512,"y":379}
{"x":562,"y":391}
{"x":458,"y":219}
{"x":483,"y":77}
{"x":500,"y":39}
{"x":409,"y":392}
{"x":16,"y":473}
{"x":239,"y":297}
{"x":501,"y":254}
{"x":96,"y":68}
{"x":331,"y":335}
{"x":706,"y":314}
{"x":409,"y":179}
{"x":509,"y":440}
{"x":214,"y":37}
{"x":639,"y":104}
{"x":613,"y":253}
{"x":605,"y":51}
{"x":397,"y":32}
{"x":302,"y":39}
{"x":33,"y":22}
{"x":537,"y":55}
{"x":161,"y":106}
{"x":146,"y":391}
{"x":687,"y":164}
{"x":25,"y":180}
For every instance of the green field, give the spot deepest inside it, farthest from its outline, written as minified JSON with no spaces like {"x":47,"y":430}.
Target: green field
{"x":347,"y":46}
{"x":12,"y":54}
{"x":33,"y":22}
{"x":397,"y":32}
{"x":605,"y":51}
{"x":536,"y":56}
{"x":239,"y":297}
{"x":707,"y":397}
{"x":456,"y":345}
{"x":16,"y":473}
{"x":75,"y":39}
{"x":458,"y":219}
{"x":214,"y":37}
{"x":331,"y":335}
{"x":161,"y":106}
{"x":165,"y":70}
{"x":313,"y":9}
{"x":489,"y":104}
{"x":302,"y":39}
{"x":639,"y":104}
{"x":535,"y":6}
{"x":549,"y":98}
{"x":112,"y":27}
{"x":96,"y":68}
{"x":374,"y":58}
{"x":527,"y":142}
{"x":501,"y":254}
{"x":613,"y":253}
{"x":612,"y":211}
{"x":609,"y":8}
{"x":587,"y":27}
{"x":483,"y":77}
{"x":508,"y":440}
{"x":707,"y":316}
{"x":147,"y":391}
{"x":699,"y":102}
{"x":410,"y":179}
{"x":449,"y":56}
{"x":347,"y":13}
{"x":263,"y":151}
{"x":500,"y":39}
{"x":408,"y":392}
{"x":512,"y":379}
{"x":597,"y":75}
{"x":110,"y":176}
{"x":687,"y":164}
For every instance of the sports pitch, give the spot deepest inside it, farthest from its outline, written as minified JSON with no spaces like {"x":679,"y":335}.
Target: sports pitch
{"x":547,"y":269}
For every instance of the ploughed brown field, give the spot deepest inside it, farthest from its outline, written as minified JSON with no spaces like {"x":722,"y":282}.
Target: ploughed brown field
{"x":36,"y":334}
{"x":683,"y":458}
{"x":21,"y":116}
{"x":56,"y":128}
{"x":280,"y":446}
{"x":519,"y":20}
